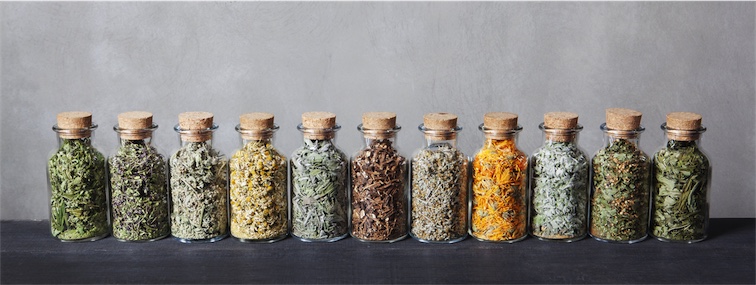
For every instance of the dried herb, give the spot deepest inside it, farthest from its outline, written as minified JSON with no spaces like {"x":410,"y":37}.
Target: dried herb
{"x":258,"y":192}
{"x":78,"y":204}
{"x":378,"y":196}
{"x":139,"y":192}
{"x":680,"y":206}
{"x":319,"y":193}
{"x":439,"y":193}
{"x":619,"y":205}
{"x":198,"y":192}
{"x":499,"y":209}
{"x":560,"y":191}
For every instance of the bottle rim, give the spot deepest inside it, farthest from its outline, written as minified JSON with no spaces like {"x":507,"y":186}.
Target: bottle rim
{"x":78,"y":132}
{"x":622,"y":133}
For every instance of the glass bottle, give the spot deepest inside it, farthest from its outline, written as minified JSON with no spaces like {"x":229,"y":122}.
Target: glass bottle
{"x":259,"y":205}
{"x":199,"y":182}
{"x":319,"y":179}
{"x":438,"y":200}
{"x":379,"y":175}
{"x":559,"y":181}
{"x":77,"y":179}
{"x":620,"y":191}
{"x":680,"y":208}
{"x":499,"y":186}
{"x":138,"y":182}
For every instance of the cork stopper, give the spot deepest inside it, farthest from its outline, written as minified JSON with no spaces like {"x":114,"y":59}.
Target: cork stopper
{"x":319,"y":125}
{"x":500,"y":121}
{"x":440,"y":125}
{"x":133,"y":125}
{"x":256,"y":126}
{"x":440,"y":121}
{"x":623,"y":119}
{"x":378,"y":125}
{"x":684,"y":126}
{"x":560,"y":120}
{"x":74,"y":125}
{"x":195,"y":126}
{"x":559,"y":126}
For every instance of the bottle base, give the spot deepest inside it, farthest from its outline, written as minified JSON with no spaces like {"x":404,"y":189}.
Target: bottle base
{"x":269,"y":240}
{"x":333,"y":239}
{"x":141,"y":240}
{"x":679,"y":241}
{"x":379,"y":241}
{"x":499,"y":241}
{"x":454,"y":240}
{"x":94,"y":238}
{"x":620,"y":241}
{"x":566,"y":239}
{"x":209,"y":240}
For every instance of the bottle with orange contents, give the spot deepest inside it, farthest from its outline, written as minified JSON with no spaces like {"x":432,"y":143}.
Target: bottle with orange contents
{"x":499,"y":190}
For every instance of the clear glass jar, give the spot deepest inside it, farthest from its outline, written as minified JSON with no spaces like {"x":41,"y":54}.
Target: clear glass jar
{"x":379,"y":175}
{"x":620,"y":191}
{"x":138,"y":182}
{"x":439,"y":193}
{"x":499,"y":186}
{"x":319,"y":179}
{"x":77,"y":180}
{"x":259,"y":205}
{"x":199,"y":182}
{"x":680,"y":208}
{"x":559,"y":181}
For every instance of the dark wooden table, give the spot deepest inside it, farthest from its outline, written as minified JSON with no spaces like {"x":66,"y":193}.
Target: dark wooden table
{"x":31,"y":255}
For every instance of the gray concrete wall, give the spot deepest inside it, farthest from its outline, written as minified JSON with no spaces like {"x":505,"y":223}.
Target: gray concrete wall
{"x":349,"y":58}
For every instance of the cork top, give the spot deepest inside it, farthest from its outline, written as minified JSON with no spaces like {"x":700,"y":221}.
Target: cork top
{"x":684,"y":121}
{"x":500,"y":121}
{"x":196,"y":120}
{"x":132,"y":125}
{"x":560,"y":120}
{"x":623,"y":119}
{"x":195,"y":126}
{"x":440,"y":121}
{"x":318,"y":120}
{"x":684,"y":126}
{"x":256,"y":126}
{"x":379,"y":120}
{"x":74,"y":120}
{"x":79,"y":122}
{"x":135,"y":120}
{"x":256,"y":121}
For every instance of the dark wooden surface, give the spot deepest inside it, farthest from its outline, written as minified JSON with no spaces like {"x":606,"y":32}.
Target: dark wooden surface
{"x":31,"y":255}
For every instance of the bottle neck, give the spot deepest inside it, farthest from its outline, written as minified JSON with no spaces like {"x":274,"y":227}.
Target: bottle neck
{"x":83,"y":140}
{"x":248,"y":140}
{"x":145,"y":141}
{"x":450,"y":140}
{"x":370,"y":140}
{"x":611,"y":139}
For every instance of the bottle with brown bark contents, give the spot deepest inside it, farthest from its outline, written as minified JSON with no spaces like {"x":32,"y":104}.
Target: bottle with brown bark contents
{"x":379,"y":196}
{"x":439,"y":190}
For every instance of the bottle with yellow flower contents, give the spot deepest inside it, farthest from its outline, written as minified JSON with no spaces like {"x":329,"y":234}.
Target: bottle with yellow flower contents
{"x":258,"y":183}
{"x":499,"y":190}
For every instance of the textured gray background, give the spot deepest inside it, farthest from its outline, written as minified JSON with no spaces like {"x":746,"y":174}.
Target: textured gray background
{"x":349,"y":58}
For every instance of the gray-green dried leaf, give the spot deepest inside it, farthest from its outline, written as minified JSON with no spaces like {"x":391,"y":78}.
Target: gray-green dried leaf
{"x":199,"y":193}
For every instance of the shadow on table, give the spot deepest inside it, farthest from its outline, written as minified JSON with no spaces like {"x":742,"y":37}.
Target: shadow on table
{"x":720,"y":227}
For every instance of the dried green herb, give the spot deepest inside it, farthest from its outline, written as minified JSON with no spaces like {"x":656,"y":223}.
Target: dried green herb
{"x":681,"y":209}
{"x":319,"y":191}
{"x":78,"y":204}
{"x":139,"y":192}
{"x":378,"y":196}
{"x":199,"y":197}
{"x":560,"y":191}
{"x":439,"y":194}
{"x":619,"y":205}
{"x":258,"y":192}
